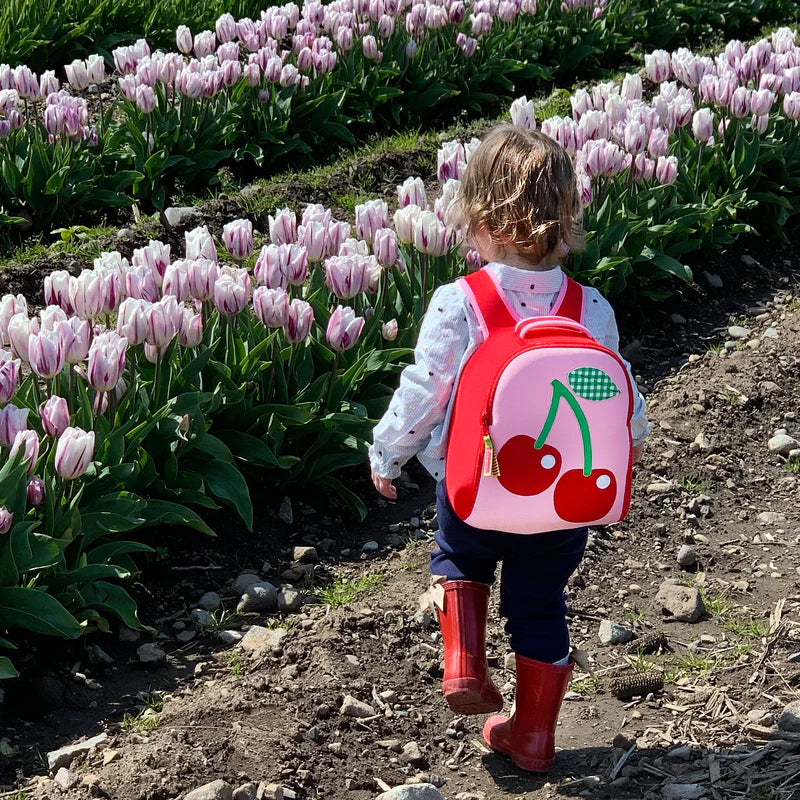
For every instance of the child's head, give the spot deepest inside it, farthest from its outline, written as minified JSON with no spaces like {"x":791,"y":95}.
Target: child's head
{"x":519,"y":197}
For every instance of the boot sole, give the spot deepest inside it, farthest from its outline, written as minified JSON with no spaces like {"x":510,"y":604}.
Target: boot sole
{"x":528,"y":764}
{"x":466,"y":700}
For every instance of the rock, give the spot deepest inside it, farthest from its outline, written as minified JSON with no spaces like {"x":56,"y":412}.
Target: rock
{"x":110,"y":756}
{"x":210,"y":601}
{"x":678,"y":319}
{"x":683,"y":602}
{"x":683,"y":791}
{"x":98,"y":657}
{"x":770,"y":333}
{"x":289,"y":599}
{"x":388,"y":696}
{"x":151,"y":654}
{"x":285,"y":513}
{"x":64,"y":780}
{"x":738,"y":332}
{"x":65,"y":755}
{"x":261,"y":597}
{"x":244,"y":582}
{"x":701,"y":442}
{"x":259,"y":638}
{"x":789,"y":720}
{"x":180,"y":216}
{"x":660,"y":488}
{"x":230,"y":637}
{"x":370,"y":547}
{"x":413,"y":755}
{"x":614,"y":633}
{"x":771,"y":517}
{"x":216,"y":790}
{"x":270,"y":791}
{"x":413,"y":791}
{"x":749,"y":261}
{"x":632,"y":352}
{"x":125,"y":235}
{"x":761,"y":716}
{"x":128,"y":635}
{"x":355,"y":708}
{"x":390,"y":744}
{"x":714,"y":281}
{"x":687,"y":556}
{"x":201,"y":616}
{"x":184,"y":637}
{"x":305,"y":555}
{"x":782,"y":444}
{"x":248,"y":791}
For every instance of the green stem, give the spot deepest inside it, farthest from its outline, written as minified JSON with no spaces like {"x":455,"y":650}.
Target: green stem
{"x":331,"y":383}
{"x":699,"y":167}
{"x":157,"y":379}
{"x":560,"y":391}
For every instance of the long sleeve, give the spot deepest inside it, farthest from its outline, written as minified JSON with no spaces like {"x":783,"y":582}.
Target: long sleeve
{"x":421,"y":400}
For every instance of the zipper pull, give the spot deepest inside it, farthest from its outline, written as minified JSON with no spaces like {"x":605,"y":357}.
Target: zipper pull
{"x":491,"y":469}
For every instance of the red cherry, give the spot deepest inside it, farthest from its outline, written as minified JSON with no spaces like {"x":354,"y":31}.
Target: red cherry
{"x":581,"y":499}
{"x":524,"y":470}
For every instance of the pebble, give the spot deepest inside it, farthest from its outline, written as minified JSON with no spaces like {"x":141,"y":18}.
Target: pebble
{"x":413,"y":791}
{"x":125,"y":234}
{"x":184,"y":637}
{"x":678,"y":319}
{"x":289,"y":599}
{"x":64,"y":780}
{"x":683,"y":602}
{"x":305,"y":555}
{"x":260,"y":597}
{"x":771,"y":333}
{"x":614,"y":633}
{"x":230,"y":637}
{"x":389,"y":696}
{"x":390,"y":744}
{"x":660,"y":488}
{"x":782,"y":444}
{"x":151,"y":654}
{"x":370,"y":546}
{"x":771,"y":517}
{"x":683,"y":791}
{"x":128,"y":635}
{"x":244,"y":582}
{"x":738,"y":332}
{"x":177,"y":216}
{"x":285,"y":513}
{"x":687,"y":556}
{"x":789,"y":720}
{"x":210,"y":601}
{"x":260,"y":638}
{"x":749,"y":261}
{"x":413,"y":755}
{"x":714,"y":281}
{"x":201,"y":617}
{"x":248,"y":791}
{"x":216,"y":790}
{"x":351,"y":707}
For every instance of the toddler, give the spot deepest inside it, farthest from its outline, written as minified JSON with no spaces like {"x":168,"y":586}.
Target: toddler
{"x":518,"y":202}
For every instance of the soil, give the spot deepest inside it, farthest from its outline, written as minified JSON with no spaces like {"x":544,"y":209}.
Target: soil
{"x":218,"y":712}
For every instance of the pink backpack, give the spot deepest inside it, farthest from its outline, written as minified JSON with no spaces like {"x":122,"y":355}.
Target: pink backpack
{"x":539,"y":437}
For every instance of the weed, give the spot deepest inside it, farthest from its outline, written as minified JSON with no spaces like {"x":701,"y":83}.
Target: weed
{"x":139,"y":723}
{"x":348,"y":201}
{"x":763,"y":793}
{"x":793,"y":465}
{"x":692,"y":665}
{"x":746,"y":629}
{"x":633,"y":616}
{"x":694,"y":483}
{"x":557,"y":105}
{"x":235,"y":664}
{"x":716,"y":349}
{"x":732,"y":398}
{"x":641,"y":666}
{"x":346,"y":590}
{"x":162,"y":553}
{"x":152,"y":699}
{"x":221,"y":621}
{"x":586,"y":686}
{"x":717,"y":604}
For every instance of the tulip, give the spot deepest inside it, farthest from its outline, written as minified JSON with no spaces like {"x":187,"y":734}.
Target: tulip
{"x":48,"y":84}
{"x":75,"y":334}
{"x":703,"y":124}
{"x":385,"y":247}
{"x":77,"y":75}
{"x":18,"y":334}
{"x":140,"y":284}
{"x":791,"y":105}
{"x":635,"y":137}
{"x":74,"y":453}
{"x":56,"y":290}
{"x":191,"y":329}
{"x":202,"y":274}
{"x":412,"y":192}
{"x":86,"y":294}
{"x":10,"y":306}
{"x":451,"y":160}
{"x":200,"y":244}
{"x":667,"y":170}
{"x":145,"y":99}
{"x":759,"y":123}
{"x":55,"y":415}
{"x":404,"y":223}
{"x":348,"y":276}
{"x":271,"y":306}
{"x":353,"y":247}
{"x":226,"y":28}
{"x":133,"y":320}
{"x":740,"y":102}
{"x":289,"y":76}
{"x":344,"y":328}
{"x":761,"y":102}
{"x":9,"y":375}
{"x":106,"y":360}
{"x":46,"y":353}
{"x":389,"y":330}
{"x":271,"y":268}
{"x":176,"y":281}
{"x":161,"y":322}
{"x":283,"y":227}
{"x":296,"y":264}
{"x":12,"y":421}
{"x":6,"y":519}
{"x":523,"y":115}
{"x":658,"y":143}
{"x":96,"y":69}
{"x":369,"y":217}
{"x":28,"y":443}
{"x":35,"y":491}
{"x":237,"y":236}
{"x":369,"y":46}
{"x":313,"y":236}
{"x":205,"y":43}
{"x":111,"y":289}
{"x":231,"y":294}
{"x":183,"y":39}
{"x":299,"y":319}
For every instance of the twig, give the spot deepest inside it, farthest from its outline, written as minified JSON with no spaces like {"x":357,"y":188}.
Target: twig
{"x":195,"y":566}
{"x":621,"y":763}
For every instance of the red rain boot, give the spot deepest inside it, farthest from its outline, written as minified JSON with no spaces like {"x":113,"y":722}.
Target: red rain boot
{"x":466,"y":684}
{"x":529,"y":735}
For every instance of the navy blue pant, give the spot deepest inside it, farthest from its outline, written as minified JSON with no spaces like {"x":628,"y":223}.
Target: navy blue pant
{"x":535,"y":572}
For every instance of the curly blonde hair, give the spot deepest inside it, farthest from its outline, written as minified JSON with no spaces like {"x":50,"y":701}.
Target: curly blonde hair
{"x":520,"y":187}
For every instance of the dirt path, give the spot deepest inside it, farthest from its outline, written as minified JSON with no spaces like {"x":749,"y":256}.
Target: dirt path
{"x":708,"y":484}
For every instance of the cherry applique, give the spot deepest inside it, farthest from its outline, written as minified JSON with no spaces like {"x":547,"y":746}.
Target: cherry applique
{"x":582,"y":498}
{"x":526,"y":470}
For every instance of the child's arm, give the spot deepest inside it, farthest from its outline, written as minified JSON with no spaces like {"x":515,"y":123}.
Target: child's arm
{"x":421,"y":400}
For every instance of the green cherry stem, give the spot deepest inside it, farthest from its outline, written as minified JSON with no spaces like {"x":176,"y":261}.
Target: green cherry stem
{"x":560,"y":391}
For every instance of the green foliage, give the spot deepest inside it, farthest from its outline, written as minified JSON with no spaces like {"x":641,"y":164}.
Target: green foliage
{"x":348,"y":590}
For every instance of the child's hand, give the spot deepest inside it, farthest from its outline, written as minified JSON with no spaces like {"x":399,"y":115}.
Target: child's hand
{"x":384,"y":486}
{"x":637,"y":452}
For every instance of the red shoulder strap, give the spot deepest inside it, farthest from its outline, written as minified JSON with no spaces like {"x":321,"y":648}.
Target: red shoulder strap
{"x":487,"y":301}
{"x":571,"y":302}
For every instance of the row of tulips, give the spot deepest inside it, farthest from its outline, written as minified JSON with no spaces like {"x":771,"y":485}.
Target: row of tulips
{"x":290,"y":80}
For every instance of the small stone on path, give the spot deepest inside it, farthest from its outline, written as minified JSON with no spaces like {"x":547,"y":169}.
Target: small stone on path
{"x":687,"y":556}
{"x":260,"y":638}
{"x":305,"y":555}
{"x":683,"y":791}
{"x":738,"y":332}
{"x":683,"y":602}
{"x":771,"y":517}
{"x":351,"y":707}
{"x":782,"y":444}
{"x":64,"y":780}
{"x":614,"y":633}
{"x":216,"y":790}
{"x":289,"y":599}
{"x":210,"y":601}
{"x":244,"y":582}
{"x":230,"y":637}
{"x":151,"y":654}
{"x":413,"y":791}
{"x":370,"y":546}
{"x":178,"y":216}
{"x":260,"y":597}
{"x":789,"y":720}
{"x":248,"y":791}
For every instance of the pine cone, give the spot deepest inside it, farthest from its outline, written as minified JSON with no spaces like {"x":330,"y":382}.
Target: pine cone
{"x":649,"y":643}
{"x":628,"y":686}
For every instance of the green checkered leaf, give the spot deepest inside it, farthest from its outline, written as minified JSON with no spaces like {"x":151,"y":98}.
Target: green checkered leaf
{"x":591,"y":383}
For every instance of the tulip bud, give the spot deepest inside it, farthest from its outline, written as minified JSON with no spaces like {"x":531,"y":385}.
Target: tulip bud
{"x":740,"y":102}
{"x":370,"y":217}
{"x":703,"y":124}
{"x":191,"y":330}
{"x":632,"y":87}
{"x":412,"y":193}
{"x":523,"y":115}
{"x":791,"y":105}
{"x":145,"y":99}
{"x":299,"y":320}
{"x":283,"y":227}
{"x":74,"y":453}
{"x":200,"y":244}
{"x":6,"y":520}
{"x":77,"y":75}
{"x":87,"y":294}
{"x":271,"y":306}
{"x":28,"y":443}
{"x":106,"y":360}
{"x":161,"y":324}
{"x":12,"y":421}
{"x":56,"y":290}
{"x":385,"y":247}
{"x":313,"y":236}
{"x":658,"y":143}
{"x":46,"y":353}
{"x":226,"y":28}
{"x":55,"y":416}
{"x":389,"y":330}
{"x":231,"y":293}
{"x":348,"y":276}
{"x":667,"y":170}
{"x":35,"y":491}
{"x":344,"y":328}
{"x":237,"y":237}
